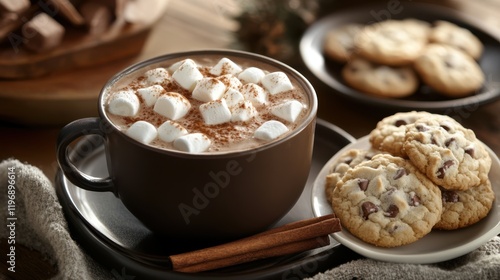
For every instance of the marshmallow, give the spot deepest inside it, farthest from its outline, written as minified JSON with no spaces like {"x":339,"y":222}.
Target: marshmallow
{"x":230,"y":81}
{"x":232,"y":97}
{"x":187,"y":74}
{"x":177,"y":64}
{"x":208,"y":89}
{"x":150,"y":94}
{"x":288,"y":110}
{"x":215,"y":112}
{"x":251,"y":75}
{"x":243,"y":112}
{"x":169,"y":131}
{"x":276,"y":82}
{"x":270,"y":130}
{"x":142,"y":131}
{"x":156,"y":76}
{"x":192,"y":143}
{"x":172,"y":105}
{"x":254,"y":93}
{"x":225,"y":66}
{"x":124,"y":103}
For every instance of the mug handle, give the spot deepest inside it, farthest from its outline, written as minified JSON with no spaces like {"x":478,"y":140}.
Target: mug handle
{"x":69,"y":133}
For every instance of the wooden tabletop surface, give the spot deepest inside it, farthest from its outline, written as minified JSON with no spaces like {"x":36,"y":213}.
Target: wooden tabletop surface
{"x":195,"y":24}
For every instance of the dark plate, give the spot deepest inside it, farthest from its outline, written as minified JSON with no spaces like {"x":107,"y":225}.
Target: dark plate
{"x":329,"y":71}
{"x":115,"y":238}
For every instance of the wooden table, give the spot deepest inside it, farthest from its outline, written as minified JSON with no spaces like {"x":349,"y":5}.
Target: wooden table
{"x":199,"y":24}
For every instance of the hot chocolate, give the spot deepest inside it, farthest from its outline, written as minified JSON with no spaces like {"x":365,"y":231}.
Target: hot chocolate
{"x":209,"y":113}
{"x":210,"y":105}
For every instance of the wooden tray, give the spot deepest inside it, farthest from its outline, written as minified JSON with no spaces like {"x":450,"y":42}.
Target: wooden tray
{"x":59,"y":86}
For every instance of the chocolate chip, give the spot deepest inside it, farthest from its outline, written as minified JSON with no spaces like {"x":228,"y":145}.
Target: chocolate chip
{"x":393,"y":228}
{"x":348,"y":161}
{"x":449,"y":196}
{"x":363,"y":184}
{"x":400,"y":173}
{"x":400,"y":123}
{"x":449,"y":141}
{"x":441,"y":171}
{"x":433,"y":141}
{"x":445,"y":127}
{"x":421,"y":128}
{"x":392,"y":211}
{"x":368,"y":208}
{"x":414,"y":199}
{"x":390,"y":191}
{"x":470,"y":151}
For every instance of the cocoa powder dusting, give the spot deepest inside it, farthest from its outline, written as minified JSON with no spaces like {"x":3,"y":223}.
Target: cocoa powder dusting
{"x":223,"y":136}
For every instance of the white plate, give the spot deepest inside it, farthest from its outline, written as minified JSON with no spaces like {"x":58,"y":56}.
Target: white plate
{"x":329,"y":72}
{"x":436,"y":246}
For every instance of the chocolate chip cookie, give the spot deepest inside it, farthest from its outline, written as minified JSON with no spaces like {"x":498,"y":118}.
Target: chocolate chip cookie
{"x":449,"y":154}
{"x":380,"y":80}
{"x":389,"y":134}
{"x":339,"y":43}
{"x":449,"y":71}
{"x":346,"y":160}
{"x":387,"y":202}
{"x":451,"y":34}
{"x":390,"y":42}
{"x":465,"y":208}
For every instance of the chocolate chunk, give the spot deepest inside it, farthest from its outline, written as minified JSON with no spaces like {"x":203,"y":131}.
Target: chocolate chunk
{"x":414,"y":199}
{"x":400,"y":173}
{"x":433,"y":141}
{"x":449,"y":142}
{"x":442,"y":170}
{"x":399,"y":123}
{"x":393,"y":228}
{"x":421,"y":128}
{"x":469,"y":151}
{"x":44,"y":33}
{"x":348,"y":161}
{"x":449,"y":196}
{"x":368,"y":208}
{"x":390,"y":191}
{"x":392,"y":211}
{"x":445,"y":127}
{"x":363,"y":184}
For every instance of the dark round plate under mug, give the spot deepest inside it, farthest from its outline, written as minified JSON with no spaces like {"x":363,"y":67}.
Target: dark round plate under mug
{"x":329,"y":71}
{"x":117,"y":240}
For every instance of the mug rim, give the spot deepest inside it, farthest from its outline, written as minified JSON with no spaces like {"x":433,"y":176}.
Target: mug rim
{"x":301,"y":80}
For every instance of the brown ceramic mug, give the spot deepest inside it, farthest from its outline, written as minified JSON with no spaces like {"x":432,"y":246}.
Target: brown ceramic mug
{"x":206,"y":195}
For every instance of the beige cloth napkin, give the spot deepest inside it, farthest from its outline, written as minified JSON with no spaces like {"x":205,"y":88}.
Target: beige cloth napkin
{"x":41,"y":225}
{"x":481,"y":264}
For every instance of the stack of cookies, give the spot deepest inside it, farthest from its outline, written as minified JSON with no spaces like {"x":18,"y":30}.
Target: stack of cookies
{"x":422,"y":172}
{"x":393,"y":57}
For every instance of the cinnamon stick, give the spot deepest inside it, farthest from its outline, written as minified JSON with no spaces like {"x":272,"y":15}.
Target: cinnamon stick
{"x":295,"y":247}
{"x":287,"y":239}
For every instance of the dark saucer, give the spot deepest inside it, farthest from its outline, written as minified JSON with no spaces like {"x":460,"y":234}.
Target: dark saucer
{"x":116,"y":239}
